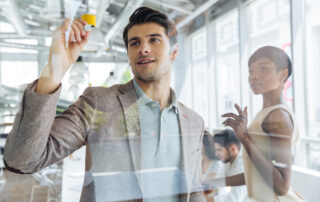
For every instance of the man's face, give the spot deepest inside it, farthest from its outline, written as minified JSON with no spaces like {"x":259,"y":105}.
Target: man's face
{"x":149,"y":52}
{"x":222,"y":153}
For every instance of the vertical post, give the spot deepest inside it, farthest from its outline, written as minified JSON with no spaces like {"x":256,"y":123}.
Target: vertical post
{"x":244,"y":53}
{"x":298,"y":73}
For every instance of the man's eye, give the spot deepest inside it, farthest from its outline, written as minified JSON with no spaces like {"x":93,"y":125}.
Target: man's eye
{"x":155,"y":39}
{"x":135,"y":43}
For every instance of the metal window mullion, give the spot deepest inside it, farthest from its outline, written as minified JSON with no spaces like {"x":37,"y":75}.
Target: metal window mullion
{"x":299,"y":72}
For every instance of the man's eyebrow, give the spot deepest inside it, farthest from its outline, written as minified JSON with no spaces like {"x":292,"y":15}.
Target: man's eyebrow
{"x":153,"y":35}
{"x":149,"y":35}
{"x":133,"y":39}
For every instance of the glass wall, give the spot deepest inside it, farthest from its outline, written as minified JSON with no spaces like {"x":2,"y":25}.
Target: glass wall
{"x":312,"y":70}
{"x":227,"y":63}
{"x":269,"y":24}
{"x":209,"y":76}
{"x":264,"y":22}
{"x":200,"y":72}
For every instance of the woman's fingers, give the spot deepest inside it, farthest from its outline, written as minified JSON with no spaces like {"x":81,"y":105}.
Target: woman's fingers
{"x":229,"y":121}
{"x":241,"y":113}
{"x":246,"y":112}
{"x":232,"y":115}
{"x":232,"y":123}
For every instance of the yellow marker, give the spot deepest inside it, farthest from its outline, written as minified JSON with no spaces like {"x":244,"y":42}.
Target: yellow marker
{"x":90,"y":19}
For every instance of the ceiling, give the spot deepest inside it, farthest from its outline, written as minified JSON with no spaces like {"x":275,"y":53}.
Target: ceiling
{"x":28,"y":24}
{"x":36,"y":19}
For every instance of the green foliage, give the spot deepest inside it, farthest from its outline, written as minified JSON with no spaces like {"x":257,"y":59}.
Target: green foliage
{"x":126,"y":76}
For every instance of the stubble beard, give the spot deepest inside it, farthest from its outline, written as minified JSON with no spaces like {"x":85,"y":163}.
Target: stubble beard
{"x":146,"y":78}
{"x":229,"y":158}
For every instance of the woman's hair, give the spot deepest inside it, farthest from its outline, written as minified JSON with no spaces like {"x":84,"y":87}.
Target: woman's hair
{"x":276,"y":55}
{"x":208,"y":145}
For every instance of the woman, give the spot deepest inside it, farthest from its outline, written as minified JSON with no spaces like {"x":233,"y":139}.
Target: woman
{"x":269,"y":139}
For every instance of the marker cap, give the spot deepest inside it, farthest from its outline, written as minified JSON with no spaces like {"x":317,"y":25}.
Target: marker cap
{"x":90,"y":19}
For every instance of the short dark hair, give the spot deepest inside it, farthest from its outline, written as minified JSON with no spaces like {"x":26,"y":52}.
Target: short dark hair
{"x":276,"y":55}
{"x":225,"y":138}
{"x":208,"y":145}
{"x":145,"y":15}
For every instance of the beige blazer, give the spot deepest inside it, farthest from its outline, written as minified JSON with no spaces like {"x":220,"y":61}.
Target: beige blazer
{"x":106,"y":120}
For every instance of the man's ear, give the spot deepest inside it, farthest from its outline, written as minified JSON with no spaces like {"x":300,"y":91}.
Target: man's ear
{"x":174,"y":52}
{"x":232,"y":148}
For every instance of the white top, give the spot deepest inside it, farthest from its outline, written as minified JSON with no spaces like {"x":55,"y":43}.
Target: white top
{"x":258,"y":189}
{"x":234,"y":193}
{"x":215,"y":166}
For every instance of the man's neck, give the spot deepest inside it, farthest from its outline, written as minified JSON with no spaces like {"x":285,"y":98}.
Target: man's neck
{"x":158,"y":90}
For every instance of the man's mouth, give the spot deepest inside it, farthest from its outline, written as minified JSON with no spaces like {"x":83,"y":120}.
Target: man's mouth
{"x":145,"y":61}
{"x":255,"y":84}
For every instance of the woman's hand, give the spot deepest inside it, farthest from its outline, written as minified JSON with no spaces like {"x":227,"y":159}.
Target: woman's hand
{"x":238,"y":122}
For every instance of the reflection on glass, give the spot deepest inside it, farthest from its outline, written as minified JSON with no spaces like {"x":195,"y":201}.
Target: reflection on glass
{"x":16,"y":73}
{"x":228,"y":150}
{"x":269,"y":24}
{"x":273,"y":132}
{"x":200,"y":75}
{"x":312,"y":30}
{"x":227,"y":63}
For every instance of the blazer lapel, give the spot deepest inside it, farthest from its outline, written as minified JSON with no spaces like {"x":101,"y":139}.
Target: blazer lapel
{"x":184,"y":129}
{"x":128,"y":100}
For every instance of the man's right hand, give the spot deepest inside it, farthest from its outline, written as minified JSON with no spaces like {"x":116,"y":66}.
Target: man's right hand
{"x":61,"y":57}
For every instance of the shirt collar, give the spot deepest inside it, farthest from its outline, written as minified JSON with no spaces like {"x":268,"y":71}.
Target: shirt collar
{"x":173,"y":101}
{"x":141,"y":96}
{"x":144,"y":99}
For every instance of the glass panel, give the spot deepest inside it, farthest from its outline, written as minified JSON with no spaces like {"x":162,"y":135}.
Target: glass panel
{"x":269,"y":25}
{"x":312,"y":38}
{"x":199,"y":68}
{"x":313,"y":154}
{"x":16,"y":73}
{"x":227,"y":64}
{"x":99,"y":72}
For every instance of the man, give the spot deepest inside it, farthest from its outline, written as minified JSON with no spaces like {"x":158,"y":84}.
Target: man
{"x":227,"y":149}
{"x":141,"y":143}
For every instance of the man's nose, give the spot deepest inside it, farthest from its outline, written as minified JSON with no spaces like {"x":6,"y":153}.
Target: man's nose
{"x":144,"y":49}
{"x":253,"y":75}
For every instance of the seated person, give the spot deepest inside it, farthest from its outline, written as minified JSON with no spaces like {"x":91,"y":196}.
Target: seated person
{"x":210,"y":165}
{"x":227,"y":149}
{"x":210,"y":162}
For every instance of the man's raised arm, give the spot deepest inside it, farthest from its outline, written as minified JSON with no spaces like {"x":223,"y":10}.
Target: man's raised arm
{"x":38,"y":137}
{"x":62,"y":54}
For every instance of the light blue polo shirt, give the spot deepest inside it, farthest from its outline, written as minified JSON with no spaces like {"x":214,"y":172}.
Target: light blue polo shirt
{"x":161,"y":156}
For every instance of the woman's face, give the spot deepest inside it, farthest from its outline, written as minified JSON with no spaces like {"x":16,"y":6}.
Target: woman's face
{"x":264,"y":77}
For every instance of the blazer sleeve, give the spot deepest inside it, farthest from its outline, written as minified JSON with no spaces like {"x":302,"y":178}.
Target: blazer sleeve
{"x":39,"y":138}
